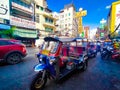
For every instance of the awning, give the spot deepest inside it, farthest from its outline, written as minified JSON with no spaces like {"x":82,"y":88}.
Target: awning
{"x":3,"y":26}
{"x":25,"y":33}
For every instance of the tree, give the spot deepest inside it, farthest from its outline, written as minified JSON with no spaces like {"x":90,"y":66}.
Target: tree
{"x":9,"y":32}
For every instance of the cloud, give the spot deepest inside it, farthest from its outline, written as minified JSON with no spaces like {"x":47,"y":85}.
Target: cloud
{"x":108,"y":7}
{"x":103,"y":21}
{"x":55,"y":14}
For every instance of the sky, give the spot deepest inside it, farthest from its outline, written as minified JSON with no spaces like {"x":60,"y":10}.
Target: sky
{"x":96,"y":9}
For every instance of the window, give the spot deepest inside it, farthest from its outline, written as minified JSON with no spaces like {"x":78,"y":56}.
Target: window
{"x":41,"y":8}
{"x":48,"y":20}
{"x":69,"y":24}
{"x":22,"y":3}
{"x":47,"y":29}
{"x":3,"y":42}
{"x":37,"y":18}
{"x":68,"y":14}
{"x":37,"y":6}
{"x":50,"y":46}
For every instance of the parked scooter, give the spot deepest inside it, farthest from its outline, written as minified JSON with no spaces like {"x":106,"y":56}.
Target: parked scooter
{"x":116,"y":55}
{"x":107,"y":52}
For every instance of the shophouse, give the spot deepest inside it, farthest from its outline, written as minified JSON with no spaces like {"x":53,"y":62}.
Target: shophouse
{"x":4,"y":17}
{"x":45,"y":22}
{"x":23,"y":20}
{"x":66,"y":19}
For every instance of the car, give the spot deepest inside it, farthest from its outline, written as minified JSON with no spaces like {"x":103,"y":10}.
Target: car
{"x":12,"y":51}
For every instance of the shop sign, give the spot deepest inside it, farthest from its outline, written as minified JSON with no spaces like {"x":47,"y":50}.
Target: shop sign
{"x":102,"y":34}
{"x":4,"y":9}
{"x":86,"y":29}
{"x":22,"y":22}
{"x":117,"y":21}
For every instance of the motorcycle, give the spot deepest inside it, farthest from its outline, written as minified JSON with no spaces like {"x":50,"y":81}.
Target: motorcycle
{"x":92,"y":52}
{"x":116,"y":55}
{"x":57,"y":58}
{"x":107,"y":52}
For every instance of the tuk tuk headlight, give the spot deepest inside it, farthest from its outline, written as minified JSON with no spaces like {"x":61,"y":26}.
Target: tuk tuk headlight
{"x":40,"y":59}
{"x":81,"y":59}
{"x":94,"y":51}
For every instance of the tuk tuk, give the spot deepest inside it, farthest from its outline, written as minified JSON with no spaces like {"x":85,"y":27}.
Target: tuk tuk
{"x":57,"y":58}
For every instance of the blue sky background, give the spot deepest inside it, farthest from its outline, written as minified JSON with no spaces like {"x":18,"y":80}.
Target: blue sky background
{"x":96,"y":9}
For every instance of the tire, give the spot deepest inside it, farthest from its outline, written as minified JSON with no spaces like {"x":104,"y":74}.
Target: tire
{"x":103,"y":55}
{"x":85,"y":64}
{"x":14,"y":58}
{"x":37,"y":81}
{"x":106,"y":57}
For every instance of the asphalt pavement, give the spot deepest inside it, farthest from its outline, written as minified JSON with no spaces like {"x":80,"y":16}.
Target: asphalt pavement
{"x":100,"y":75}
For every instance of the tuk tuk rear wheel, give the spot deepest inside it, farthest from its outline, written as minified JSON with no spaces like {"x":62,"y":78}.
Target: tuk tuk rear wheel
{"x":38,"y":83}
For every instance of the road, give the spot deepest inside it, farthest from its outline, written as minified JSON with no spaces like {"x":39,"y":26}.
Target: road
{"x":100,"y":75}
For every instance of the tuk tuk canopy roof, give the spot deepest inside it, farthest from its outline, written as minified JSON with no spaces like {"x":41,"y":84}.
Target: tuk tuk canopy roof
{"x":63,"y":39}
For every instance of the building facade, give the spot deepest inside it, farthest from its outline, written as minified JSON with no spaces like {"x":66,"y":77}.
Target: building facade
{"x":66,"y":19}
{"x":114,"y":17}
{"x":45,"y":22}
{"x":4,"y":17}
{"x":22,"y":19}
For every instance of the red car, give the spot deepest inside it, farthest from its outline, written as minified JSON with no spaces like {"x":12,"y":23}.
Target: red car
{"x":12,"y":51}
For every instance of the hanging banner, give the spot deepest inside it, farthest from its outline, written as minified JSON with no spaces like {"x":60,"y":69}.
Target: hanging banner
{"x":117,"y":20}
{"x":86,"y":30}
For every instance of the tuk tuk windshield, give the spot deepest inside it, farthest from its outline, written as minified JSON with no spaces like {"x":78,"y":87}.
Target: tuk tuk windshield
{"x":50,"y":46}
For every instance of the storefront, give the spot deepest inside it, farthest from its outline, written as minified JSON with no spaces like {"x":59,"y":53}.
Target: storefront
{"x":25,"y":30}
{"x":4,"y":18}
{"x":27,"y":36}
{"x":4,"y":28}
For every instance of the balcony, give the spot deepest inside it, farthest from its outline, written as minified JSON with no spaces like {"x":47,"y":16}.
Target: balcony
{"x":42,"y":3}
{"x":21,"y":8}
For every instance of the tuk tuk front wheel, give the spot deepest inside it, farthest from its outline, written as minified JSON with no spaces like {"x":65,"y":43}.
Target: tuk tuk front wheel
{"x":85,"y":64}
{"x":38,"y":83}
